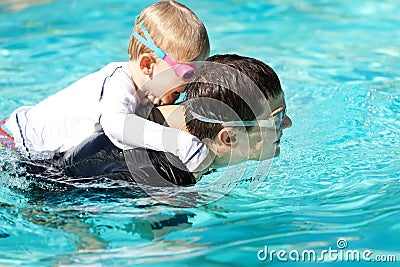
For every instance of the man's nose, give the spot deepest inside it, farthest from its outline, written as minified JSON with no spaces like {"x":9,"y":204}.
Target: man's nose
{"x":287,"y":122}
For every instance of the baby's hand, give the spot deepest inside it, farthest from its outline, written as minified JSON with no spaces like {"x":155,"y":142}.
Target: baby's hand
{"x":209,"y":159}
{"x":166,"y":99}
{"x":150,"y":99}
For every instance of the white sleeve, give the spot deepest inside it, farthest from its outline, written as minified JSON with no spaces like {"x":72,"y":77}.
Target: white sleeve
{"x":144,"y":133}
{"x":118,"y":100}
{"x":139,"y":132}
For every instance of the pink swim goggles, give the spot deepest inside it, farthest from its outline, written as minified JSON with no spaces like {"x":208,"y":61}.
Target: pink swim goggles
{"x":183,"y":71}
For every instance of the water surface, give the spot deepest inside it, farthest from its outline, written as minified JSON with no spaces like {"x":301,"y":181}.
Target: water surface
{"x":337,"y":176}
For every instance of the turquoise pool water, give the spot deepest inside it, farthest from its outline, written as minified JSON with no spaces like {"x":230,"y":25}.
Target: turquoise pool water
{"x":337,"y":178}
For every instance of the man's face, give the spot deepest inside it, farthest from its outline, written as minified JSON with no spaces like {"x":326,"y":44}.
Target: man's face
{"x":264,"y":142}
{"x":261,"y":143}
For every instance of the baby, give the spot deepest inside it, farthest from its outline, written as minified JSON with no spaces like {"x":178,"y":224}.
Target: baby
{"x":166,"y":37}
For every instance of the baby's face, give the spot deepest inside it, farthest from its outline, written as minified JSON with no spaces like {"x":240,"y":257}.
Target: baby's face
{"x":163,"y":85}
{"x":168,"y":81}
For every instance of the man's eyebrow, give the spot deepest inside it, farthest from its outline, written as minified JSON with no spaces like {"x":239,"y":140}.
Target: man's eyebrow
{"x":283,"y":107}
{"x":271,"y":113}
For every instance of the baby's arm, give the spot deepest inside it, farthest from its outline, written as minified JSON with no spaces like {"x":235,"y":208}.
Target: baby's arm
{"x":139,"y":132}
{"x":144,"y":133}
{"x":126,"y":129}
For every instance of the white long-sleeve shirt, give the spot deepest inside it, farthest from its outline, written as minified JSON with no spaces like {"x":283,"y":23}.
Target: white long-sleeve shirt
{"x":107,"y":100}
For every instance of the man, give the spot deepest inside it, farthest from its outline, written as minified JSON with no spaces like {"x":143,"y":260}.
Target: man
{"x":235,"y":105}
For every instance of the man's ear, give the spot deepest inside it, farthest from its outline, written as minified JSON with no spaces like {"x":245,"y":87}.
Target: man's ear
{"x":227,"y":136}
{"x":146,"y":64}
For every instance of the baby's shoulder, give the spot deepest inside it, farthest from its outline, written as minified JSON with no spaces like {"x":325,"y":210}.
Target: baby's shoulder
{"x":115,"y":66}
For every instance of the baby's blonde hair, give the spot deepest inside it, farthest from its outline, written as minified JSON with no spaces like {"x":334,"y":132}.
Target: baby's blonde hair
{"x":175,"y":29}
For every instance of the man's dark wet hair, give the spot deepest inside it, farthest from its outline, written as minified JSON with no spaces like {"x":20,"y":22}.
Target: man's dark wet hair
{"x":228,"y":88}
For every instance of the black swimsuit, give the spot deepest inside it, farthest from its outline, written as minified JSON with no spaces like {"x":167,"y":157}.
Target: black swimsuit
{"x":97,"y":158}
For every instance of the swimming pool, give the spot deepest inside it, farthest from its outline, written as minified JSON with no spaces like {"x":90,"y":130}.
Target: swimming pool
{"x":335,"y":184}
